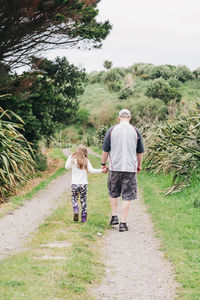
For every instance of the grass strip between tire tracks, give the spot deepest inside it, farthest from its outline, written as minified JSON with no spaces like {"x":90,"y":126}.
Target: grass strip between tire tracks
{"x":35,"y":274}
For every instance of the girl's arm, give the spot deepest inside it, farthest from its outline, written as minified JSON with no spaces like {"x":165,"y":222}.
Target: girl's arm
{"x":68,"y":163}
{"x":92,"y":170}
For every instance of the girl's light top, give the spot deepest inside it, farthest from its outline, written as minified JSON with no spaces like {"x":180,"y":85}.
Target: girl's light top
{"x":79,"y":176}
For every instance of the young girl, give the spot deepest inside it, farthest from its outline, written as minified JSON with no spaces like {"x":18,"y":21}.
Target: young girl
{"x":80,"y":165}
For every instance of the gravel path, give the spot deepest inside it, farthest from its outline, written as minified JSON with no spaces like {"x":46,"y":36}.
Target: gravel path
{"x":16,"y":227}
{"x":135,"y":268}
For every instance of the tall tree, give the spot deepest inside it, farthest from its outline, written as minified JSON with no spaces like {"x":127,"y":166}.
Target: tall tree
{"x":28,"y":27}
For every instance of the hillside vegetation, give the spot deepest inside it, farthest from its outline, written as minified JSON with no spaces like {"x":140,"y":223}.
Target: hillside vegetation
{"x":164,"y":105}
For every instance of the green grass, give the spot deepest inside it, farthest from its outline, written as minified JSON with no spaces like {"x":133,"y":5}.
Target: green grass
{"x":191,"y":90}
{"x":17,"y":201}
{"x":57,"y":153}
{"x":96,"y":149}
{"x":28,"y":276}
{"x":96,"y":94}
{"x":178,"y":224}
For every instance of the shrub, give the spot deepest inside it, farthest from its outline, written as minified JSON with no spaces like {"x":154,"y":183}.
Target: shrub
{"x":175,"y":147}
{"x":174,"y":82}
{"x":99,"y":135}
{"x":112,"y":76}
{"x":82,"y":116}
{"x":16,"y":156}
{"x":145,"y":76}
{"x":114,"y":86}
{"x":105,"y":115}
{"x":196,"y":202}
{"x":41,"y":161}
{"x":182,"y":73}
{"x":146,"y":111}
{"x":159,"y":71}
{"x":160,"y":88}
{"x":125,"y":93}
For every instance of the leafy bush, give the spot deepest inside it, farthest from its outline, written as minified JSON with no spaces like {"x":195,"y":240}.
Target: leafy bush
{"x":175,"y":147}
{"x":174,"y":82}
{"x":146,"y":111}
{"x":160,"y":88}
{"x":125,"y":93}
{"x":99,"y":135}
{"x":114,"y":86}
{"x":112,"y":76}
{"x":41,"y":161}
{"x":82,"y":116}
{"x":159,"y":71}
{"x":16,"y":156}
{"x":196,"y":202}
{"x":183,"y":73}
{"x":96,"y":77}
{"x":145,"y":76}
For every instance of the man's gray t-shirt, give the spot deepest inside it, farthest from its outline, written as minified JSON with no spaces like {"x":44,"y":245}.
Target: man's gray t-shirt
{"x":123,"y":142}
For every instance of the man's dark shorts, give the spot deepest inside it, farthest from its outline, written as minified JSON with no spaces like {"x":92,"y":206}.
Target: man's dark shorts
{"x":122,"y":184}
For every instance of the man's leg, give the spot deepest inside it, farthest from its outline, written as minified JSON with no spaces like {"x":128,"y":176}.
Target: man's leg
{"x":114,"y":205}
{"x":126,"y":204}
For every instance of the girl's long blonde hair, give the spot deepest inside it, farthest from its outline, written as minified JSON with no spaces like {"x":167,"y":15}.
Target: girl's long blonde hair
{"x":81,"y":156}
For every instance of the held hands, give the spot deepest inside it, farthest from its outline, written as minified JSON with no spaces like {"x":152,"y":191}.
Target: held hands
{"x":104,"y":169}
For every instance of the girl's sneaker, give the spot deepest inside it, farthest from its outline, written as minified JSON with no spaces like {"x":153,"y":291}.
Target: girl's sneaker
{"x":75,"y":217}
{"x":83,"y":217}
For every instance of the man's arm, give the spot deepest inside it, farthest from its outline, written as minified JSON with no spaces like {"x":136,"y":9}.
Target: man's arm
{"x":106,"y":147}
{"x":140,"y":151}
{"x":104,"y":157}
{"x":139,"y":157}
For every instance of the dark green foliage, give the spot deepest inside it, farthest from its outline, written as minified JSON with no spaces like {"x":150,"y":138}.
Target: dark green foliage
{"x":159,"y":71}
{"x":82,"y":116}
{"x":125,"y":93}
{"x":160,"y":88}
{"x":41,"y":161}
{"x":112,"y":76}
{"x":174,"y":82}
{"x":114,"y":86}
{"x":45,"y":97}
{"x":183,"y":73}
{"x":196,"y":202}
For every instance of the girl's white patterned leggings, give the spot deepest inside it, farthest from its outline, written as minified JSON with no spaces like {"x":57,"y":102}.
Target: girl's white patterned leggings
{"x":76,"y":190}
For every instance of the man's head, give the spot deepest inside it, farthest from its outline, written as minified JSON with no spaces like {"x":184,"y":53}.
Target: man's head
{"x":125,"y":115}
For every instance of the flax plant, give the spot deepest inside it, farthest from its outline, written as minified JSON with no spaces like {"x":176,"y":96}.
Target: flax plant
{"x":16,"y":155}
{"x":175,"y":147}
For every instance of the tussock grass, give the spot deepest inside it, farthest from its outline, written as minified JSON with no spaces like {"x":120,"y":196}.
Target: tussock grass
{"x":29,"y":276}
{"x":178,"y":224}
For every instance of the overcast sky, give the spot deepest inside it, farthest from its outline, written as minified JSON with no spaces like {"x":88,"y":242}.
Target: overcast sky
{"x":159,"y":32}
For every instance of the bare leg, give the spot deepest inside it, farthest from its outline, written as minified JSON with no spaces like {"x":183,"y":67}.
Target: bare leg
{"x":113,"y":205}
{"x":125,"y":210}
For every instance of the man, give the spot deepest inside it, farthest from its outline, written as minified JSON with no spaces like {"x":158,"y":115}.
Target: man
{"x":124,"y":147}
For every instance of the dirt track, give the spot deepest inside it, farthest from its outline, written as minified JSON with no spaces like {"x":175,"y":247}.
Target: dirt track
{"x":15,"y":228}
{"x":135,"y":268}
